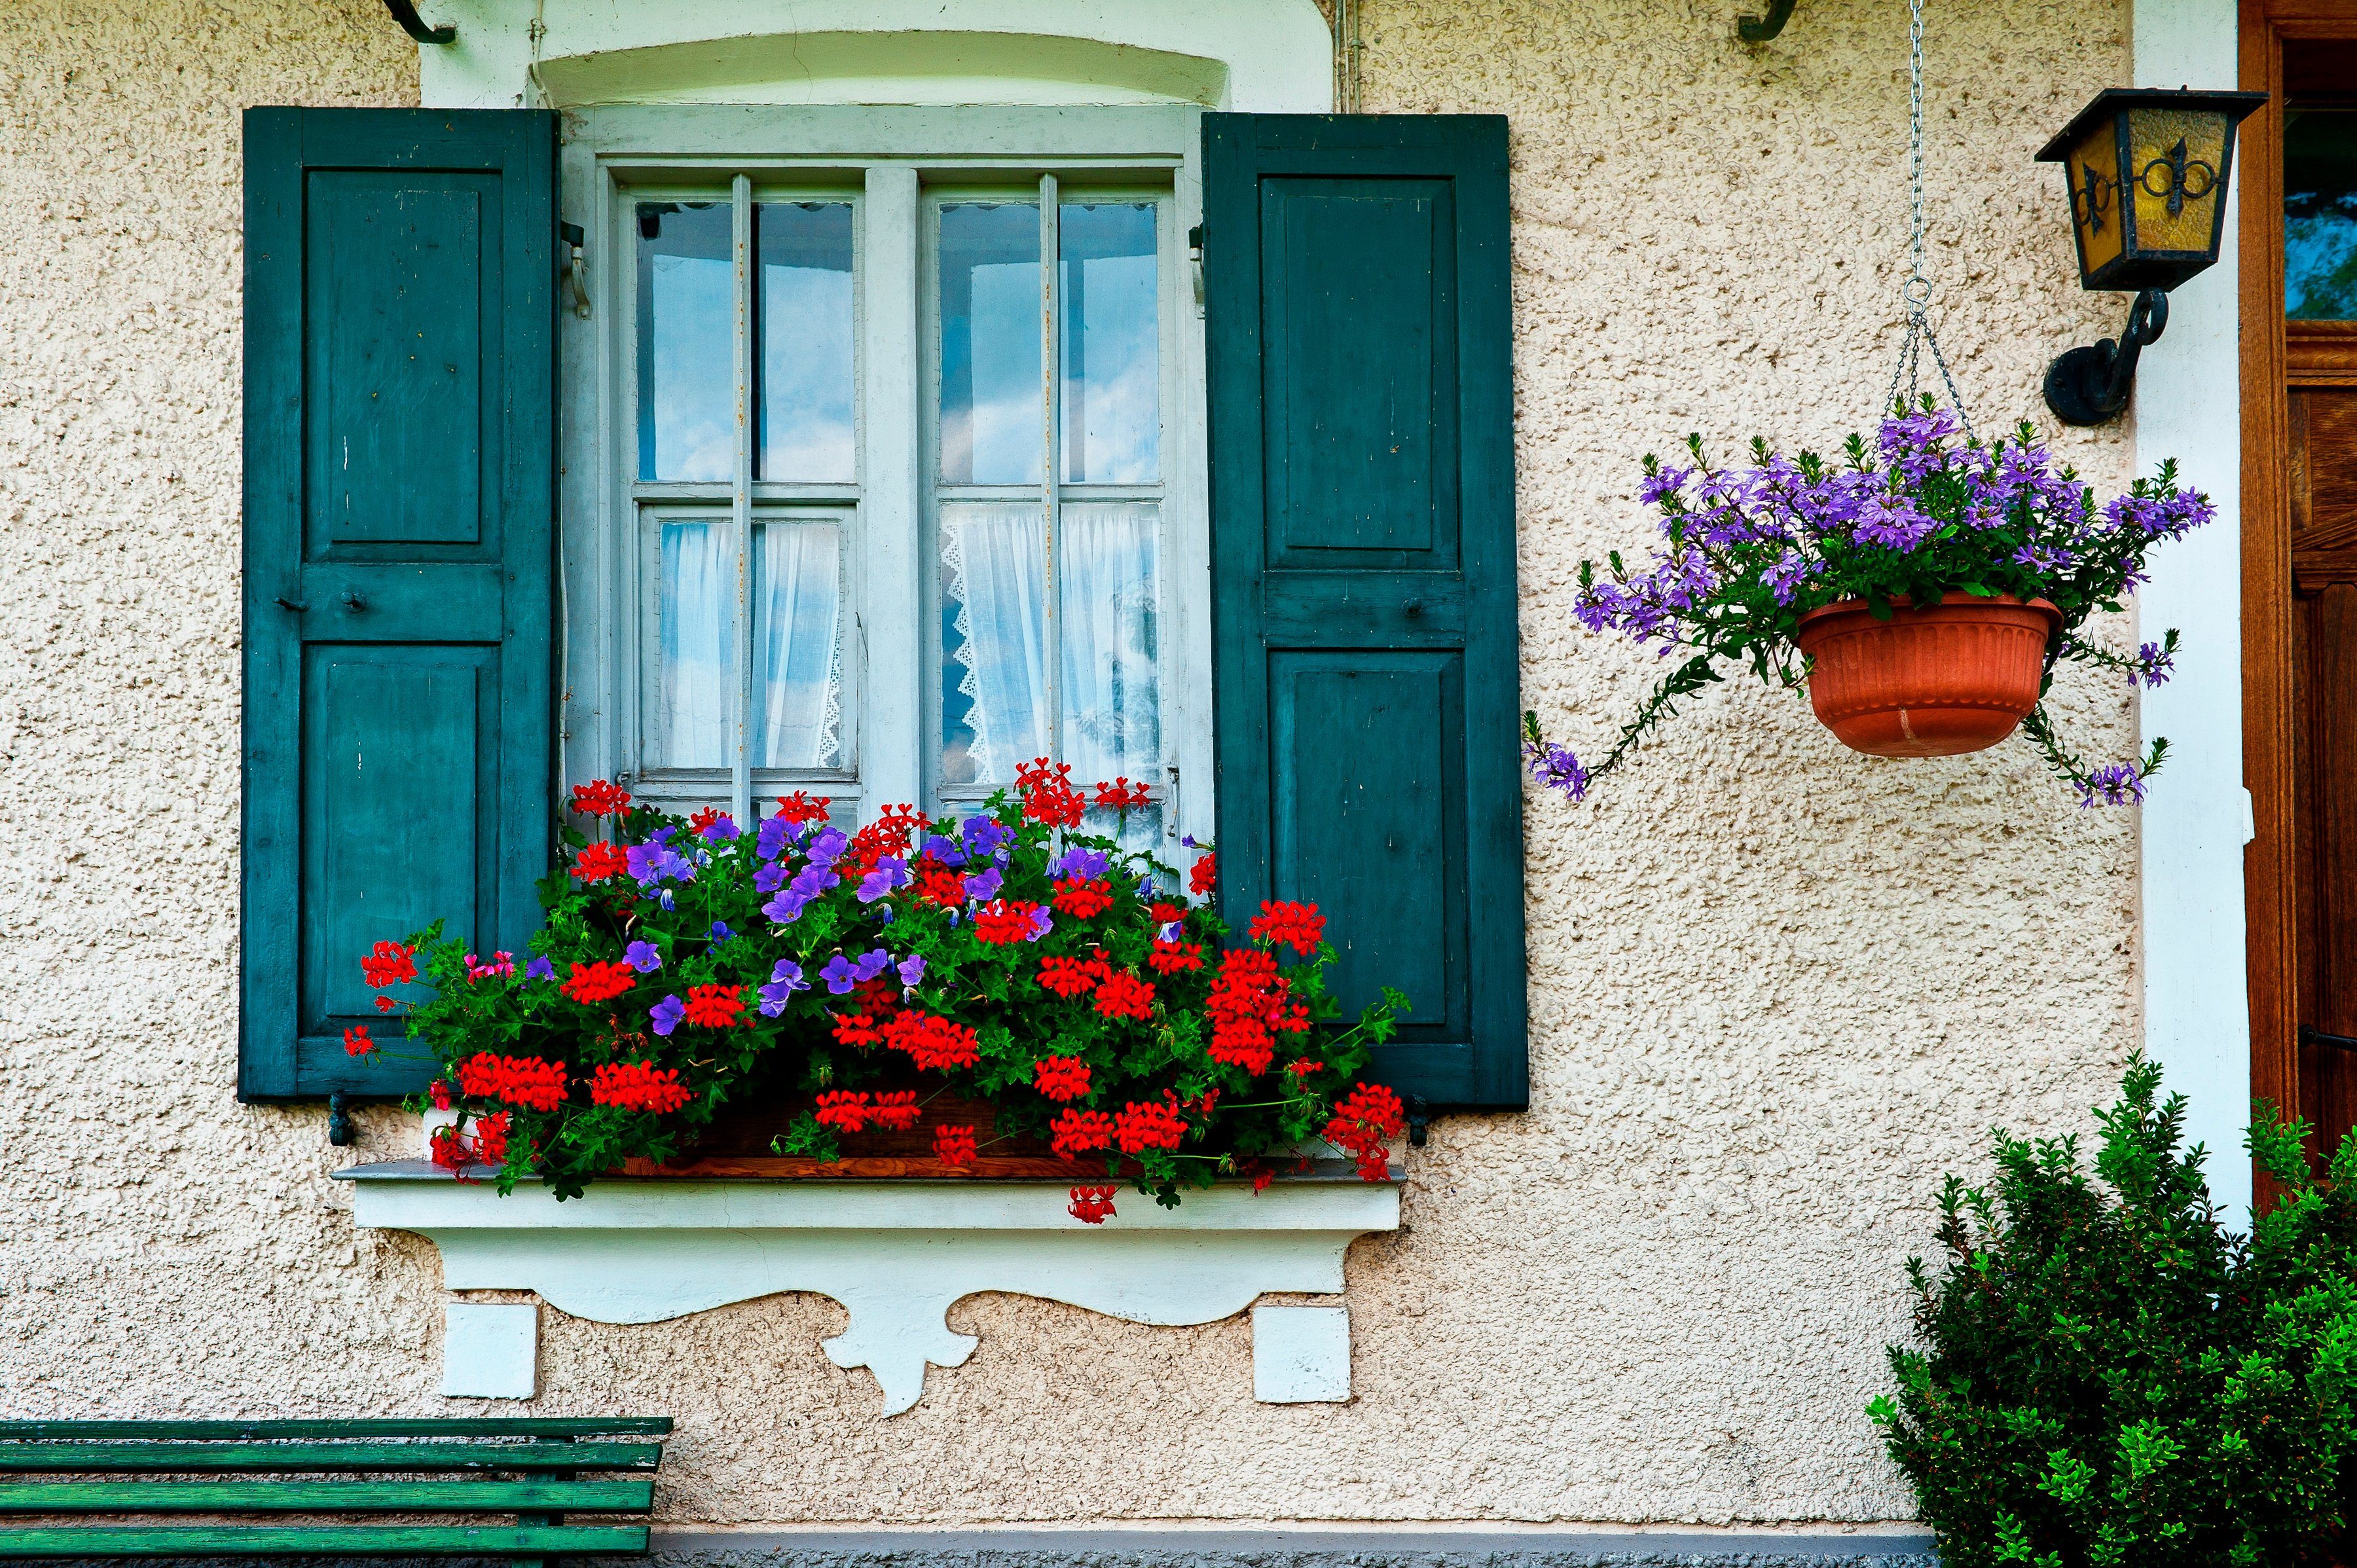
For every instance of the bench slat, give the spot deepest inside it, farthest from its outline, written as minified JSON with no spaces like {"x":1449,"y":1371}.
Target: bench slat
{"x":361,"y":1540}
{"x":99,"y":1457}
{"x":326,"y":1497}
{"x":217,"y":1431}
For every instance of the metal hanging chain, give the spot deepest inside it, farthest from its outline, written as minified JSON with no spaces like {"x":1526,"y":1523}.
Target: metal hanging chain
{"x":1917,"y":290}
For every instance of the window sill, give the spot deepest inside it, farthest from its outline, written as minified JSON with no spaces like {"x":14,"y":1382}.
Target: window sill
{"x":897,"y":1253}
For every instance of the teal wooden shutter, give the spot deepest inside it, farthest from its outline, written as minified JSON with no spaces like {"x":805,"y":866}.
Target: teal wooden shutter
{"x":1365,"y":672}
{"x":400,"y":466}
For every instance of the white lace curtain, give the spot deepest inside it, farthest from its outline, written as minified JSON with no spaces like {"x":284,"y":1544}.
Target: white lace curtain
{"x":797,"y":718}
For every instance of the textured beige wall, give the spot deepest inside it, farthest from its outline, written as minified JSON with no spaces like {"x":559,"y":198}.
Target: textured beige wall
{"x":1776,"y":988}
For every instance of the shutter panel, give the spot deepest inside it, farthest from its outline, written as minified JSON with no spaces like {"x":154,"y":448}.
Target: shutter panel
{"x":400,"y":464}
{"x":1358,"y":328}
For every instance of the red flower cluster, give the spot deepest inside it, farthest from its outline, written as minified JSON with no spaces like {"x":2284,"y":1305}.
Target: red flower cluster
{"x":1061,"y":1078}
{"x":357,"y":1042}
{"x":451,"y":1150}
{"x":1083,"y":900}
{"x":1175,"y":957}
{"x":590,"y":983}
{"x":937,"y":883}
{"x":1244,"y":1005}
{"x":390,"y":963}
{"x":639,"y":1086}
{"x":1048,"y":793}
{"x":491,"y":1138}
{"x":1121,"y":795}
{"x":953,"y":1144}
{"x":1164,"y":913}
{"x":888,"y":834}
{"x":1124,"y":995}
{"x":1305,"y":1066}
{"x":1364,"y":1119}
{"x":528,"y":1081}
{"x":843,"y":1109}
{"x":894,"y":1109}
{"x":1077,"y":1132}
{"x":851,"y":1110}
{"x":599,"y":798}
{"x":599,"y":862}
{"x":1141,"y":1127}
{"x":715,"y":1006}
{"x":1298,"y":926}
{"x":1204,"y":876}
{"x":1003,"y":920}
{"x":1069,"y":977}
{"x":799,"y":807}
{"x":1091,"y":1205}
{"x":933,"y":1042}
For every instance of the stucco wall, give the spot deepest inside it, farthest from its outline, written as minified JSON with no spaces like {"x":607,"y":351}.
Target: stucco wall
{"x":1777,"y":988}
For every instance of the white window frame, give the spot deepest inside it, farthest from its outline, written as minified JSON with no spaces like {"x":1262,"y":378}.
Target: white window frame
{"x":885,"y":161}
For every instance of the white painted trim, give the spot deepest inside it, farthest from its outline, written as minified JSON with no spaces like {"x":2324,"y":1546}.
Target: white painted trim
{"x":2195,"y":822}
{"x":1263,"y":56}
{"x":896,"y":1255}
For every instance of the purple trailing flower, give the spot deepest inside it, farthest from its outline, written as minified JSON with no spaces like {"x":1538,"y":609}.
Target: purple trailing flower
{"x":808,"y":883}
{"x":2154,"y":665}
{"x":771,"y":876}
{"x":719,"y":933}
{"x":667,"y":1014}
{"x":1556,"y":769}
{"x":831,"y":842}
{"x":774,"y":835}
{"x":540,"y":969}
{"x":892,"y":873}
{"x":2121,"y":784}
{"x":1042,"y":923}
{"x":784,"y":980}
{"x":839,"y":975}
{"x":643,"y":957}
{"x":1785,"y":576}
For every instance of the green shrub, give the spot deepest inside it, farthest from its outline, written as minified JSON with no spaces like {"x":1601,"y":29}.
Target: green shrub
{"x":2112,"y":1376}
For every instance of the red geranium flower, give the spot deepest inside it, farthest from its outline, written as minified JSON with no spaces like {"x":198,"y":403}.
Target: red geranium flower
{"x":390,"y":963}
{"x":1091,"y":1205}
{"x":894,"y":1108}
{"x":1175,"y":957}
{"x":451,"y":1151}
{"x":1123,"y":795}
{"x":799,"y":807}
{"x":357,"y":1042}
{"x":937,"y":883}
{"x":1364,"y":1119}
{"x":704,"y":818}
{"x":715,"y":1006}
{"x":1124,"y":995}
{"x":1141,"y":1127}
{"x":1164,"y":913}
{"x":639,"y":1086}
{"x":1048,"y":793}
{"x":1061,"y":1078}
{"x":528,"y":1081}
{"x":599,"y":798}
{"x":1298,"y":926}
{"x":933,"y":1042}
{"x":1083,"y":900}
{"x":491,"y":1138}
{"x":1204,"y":876}
{"x":590,"y":983}
{"x":599,"y":862}
{"x":843,"y":1109}
{"x":1072,"y":976}
{"x":384,"y":1003}
{"x":1305,"y":1066}
{"x":1076,"y":1132}
{"x":1003,"y":920}
{"x":953,"y":1144}
{"x":438,"y":1091}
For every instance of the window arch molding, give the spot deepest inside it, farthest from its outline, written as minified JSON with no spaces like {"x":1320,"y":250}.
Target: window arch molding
{"x":1265,"y":56}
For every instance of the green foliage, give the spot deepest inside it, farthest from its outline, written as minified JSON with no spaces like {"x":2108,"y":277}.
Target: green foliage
{"x":2113,"y":1378}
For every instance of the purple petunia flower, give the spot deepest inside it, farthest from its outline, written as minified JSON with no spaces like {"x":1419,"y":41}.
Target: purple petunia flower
{"x":720,"y":829}
{"x":872,"y":964}
{"x":949,"y":851}
{"x":769,"y":841}
{"x":787,"y":907}
{"x":719,"y":932}
{"x":540,"y":969}
{"x":784,"y":980}
{"x":890,"y":874}
{"x":839,"y":975}
{"x":1083,"y":863}
{"x":985,"y":835}
{"x":830,"y":842}
{"x":1042,"y":923}
{"x":643,"y":957}
{"x":982,"y":886}
{"x":912,"y":970}
{"x":667,"y":1014}
{"x":653,"y":861}
{"x":771,"y":877}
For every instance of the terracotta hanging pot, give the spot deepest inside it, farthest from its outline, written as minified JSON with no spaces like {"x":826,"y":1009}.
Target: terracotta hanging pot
{"x":1939,"y":681}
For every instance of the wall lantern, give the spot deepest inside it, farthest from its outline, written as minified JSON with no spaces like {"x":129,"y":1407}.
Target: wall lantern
{"x":2147,"y":172}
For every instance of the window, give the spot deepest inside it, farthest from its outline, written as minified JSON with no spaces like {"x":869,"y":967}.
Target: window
{"x":894,"y":489}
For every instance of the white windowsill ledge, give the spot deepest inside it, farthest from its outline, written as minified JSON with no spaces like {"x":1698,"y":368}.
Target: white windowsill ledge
{"x":896,"y":1255}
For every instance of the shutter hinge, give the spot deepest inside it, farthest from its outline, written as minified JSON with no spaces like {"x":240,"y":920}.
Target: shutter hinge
{"x":339,"y":1121}
{"x":577,"y":272}
{"x":1419,"y":1121}
{"x":1195,"y":262}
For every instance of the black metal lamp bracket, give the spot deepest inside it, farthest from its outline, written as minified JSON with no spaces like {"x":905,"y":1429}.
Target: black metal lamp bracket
{"x":2089,"y":386}
{"x":1760,"y":29}
{"x":406,"y":13}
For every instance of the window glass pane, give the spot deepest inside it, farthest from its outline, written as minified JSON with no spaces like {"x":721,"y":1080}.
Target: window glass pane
{"x":994,"y":631}
{"x":1111,"y":339}
{"x":797,"y":645}
{"x":1106,"y":560}
{"x":1138,"y":830}
{"x":992,"y":424}
{"x":804,"y":254}
{"x":686,"y":368}
{"x":2320,"y":214}
{"x":687,"y":685}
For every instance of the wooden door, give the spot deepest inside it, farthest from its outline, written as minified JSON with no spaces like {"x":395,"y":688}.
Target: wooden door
{"x":2299,"y":167}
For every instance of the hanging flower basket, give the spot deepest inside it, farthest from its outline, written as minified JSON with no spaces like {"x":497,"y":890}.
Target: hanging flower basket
{"x":1937,"y":681}
{"x":1923,"y":589}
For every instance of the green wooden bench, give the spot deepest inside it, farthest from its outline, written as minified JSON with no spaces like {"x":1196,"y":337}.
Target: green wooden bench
{"x":248,"y":1477}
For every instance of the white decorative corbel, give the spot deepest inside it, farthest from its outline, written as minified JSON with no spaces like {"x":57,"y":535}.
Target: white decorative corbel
{"x":896,"y":1255}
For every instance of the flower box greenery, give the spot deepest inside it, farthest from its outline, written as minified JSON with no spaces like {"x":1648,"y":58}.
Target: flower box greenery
{"x":1012,"y":958}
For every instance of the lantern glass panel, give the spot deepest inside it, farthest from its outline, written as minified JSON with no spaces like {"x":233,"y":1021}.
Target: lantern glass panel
{"x":2176,"y":172}
{"x":2094,"y":170}
{"x":2320,"y":215}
